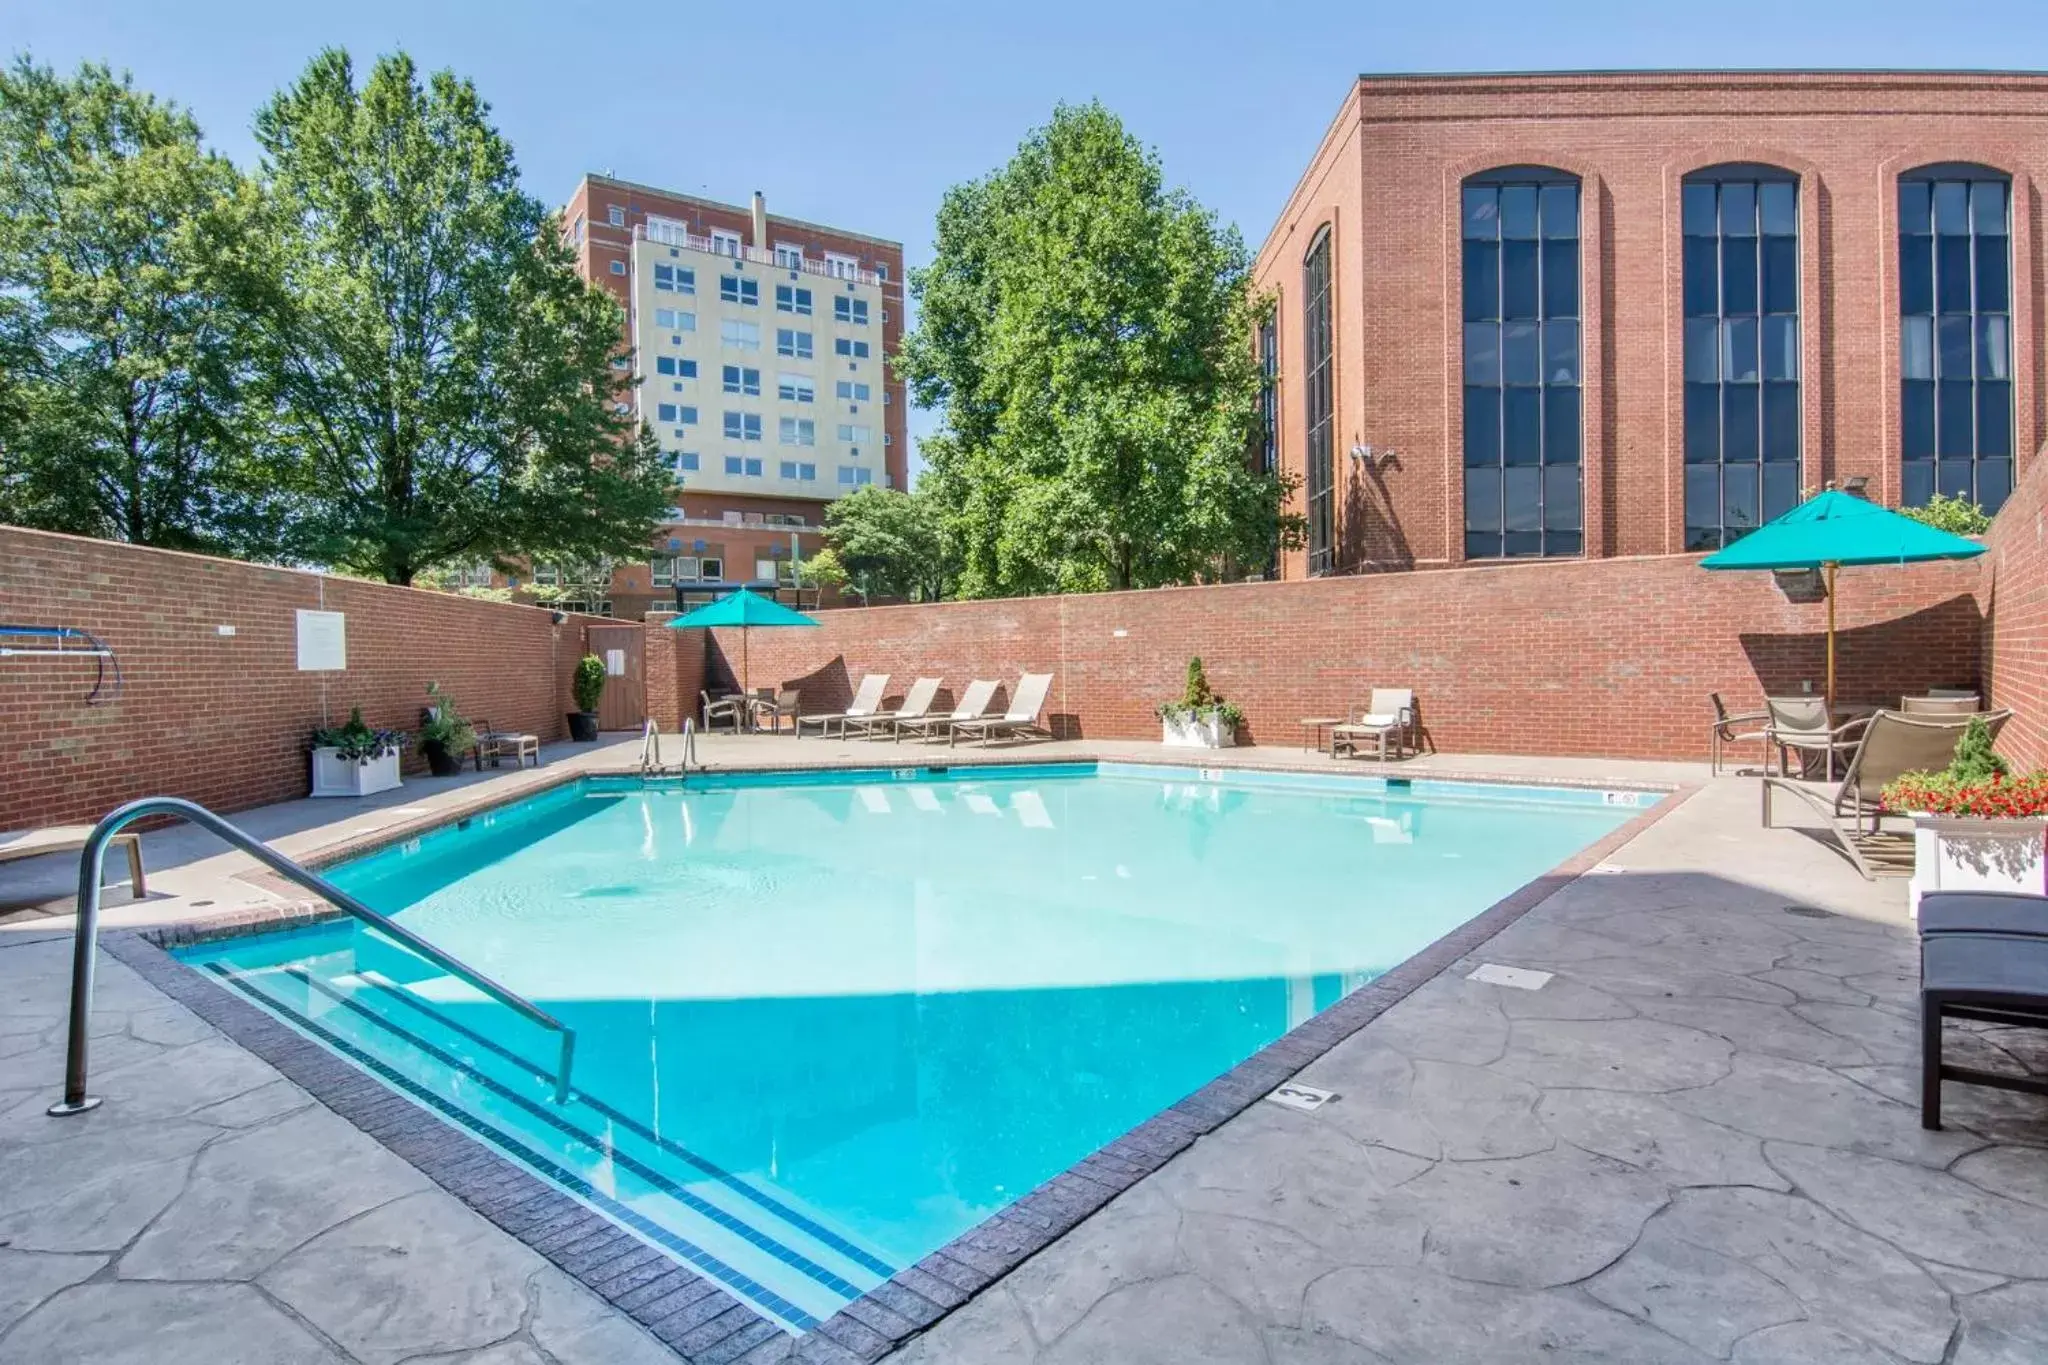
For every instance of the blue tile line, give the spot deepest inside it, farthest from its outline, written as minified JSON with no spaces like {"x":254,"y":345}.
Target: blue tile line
{"x":688,"y":1251}
{"x":790,"y":1257}
{"x":726,"y":1178}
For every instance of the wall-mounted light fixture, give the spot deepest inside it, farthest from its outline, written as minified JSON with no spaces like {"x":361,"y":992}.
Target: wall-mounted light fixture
{"x":1855,"y":484}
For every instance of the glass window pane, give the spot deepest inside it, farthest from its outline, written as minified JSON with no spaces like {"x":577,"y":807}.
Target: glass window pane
{"x":1917,"y":484}
{"x":1482,"y":353}
{"x":1738,"y":273}
{"x":1987,"y":207}
{"x":1520,"y":361}
{"x":1952,"y":358}
{"x":1994,"y":484}
{"x":1951,"y":208}
{"x":1781,"y":489}
{"x":1955,"y":418}
{"x":1952,"y":274}
{"x":1561,"y":279}
{"x":1916,"y":274}
{"x":1560,"y":426}
{"x":1739,"y":423}
{"x":1703,"y":424}
{"x":1914,"y":206}
{"x":1522,"y":426}
{"x":1992,"y":275}
{"x":1994,"y":419}
{"x":1916,"y":348}
{"x":1781,"y":274}
{"x":1779,"y":207}
{"x":1561,"y":498}
{"x":1482,"y":501}
{"x":1482,"y":427}
{"x":1702,"y":277}
{"x":1518,"y":211}
{"x":1738,"y":350}
{"x":1696,"y":210}
{"x":1562,"y":544}
{"x":1917,"y":427}
{"x":1482,"y":545}
{"x":1560,"y":210}
{"x":1522,"y":544}
{"x":1482,"y":280}
{"x":1518,"y":279}
{"x":1560,"y":352}
{"x":1482,"y":212}
{"x":1781,"y":347}
{"x":1738,"y":209}
{"x":1702,"y":350}
{"x":1522,"y":499}
{"x":1703,"y":507}
{"x":1781,"y":422}
{"x":1956,"y":479}
{"x":1994,"y":349}
{"x":1741,"y":500}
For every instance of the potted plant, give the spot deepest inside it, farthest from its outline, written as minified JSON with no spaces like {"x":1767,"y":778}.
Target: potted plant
{"x":588,"y":687}
{"x":1976,"y":827}
{"x":444,"y":735}
{"x":355,"y":760}
{"x":1199,"y":719}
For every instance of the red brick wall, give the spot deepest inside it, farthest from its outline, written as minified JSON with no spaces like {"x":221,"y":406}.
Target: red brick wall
{"x":224,"y":720}
{"x":1601,"y":657}
{"x":2014,"y":594}
{"x":675,"y":675}
{"x":1386,"y":182}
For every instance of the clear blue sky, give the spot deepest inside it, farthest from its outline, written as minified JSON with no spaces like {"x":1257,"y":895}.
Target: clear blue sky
{"x":861,"y":115}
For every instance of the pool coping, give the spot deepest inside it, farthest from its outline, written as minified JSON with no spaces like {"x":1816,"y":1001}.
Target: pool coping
{"x":694,"y":1315}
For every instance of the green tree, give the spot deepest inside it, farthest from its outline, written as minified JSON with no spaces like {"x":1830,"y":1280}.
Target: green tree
{"x":1088,"y":333}
{"x":1955,"y":514}
{"x":442,"y":379}
{"x":890,"y":544}
{"x":120,"y":364}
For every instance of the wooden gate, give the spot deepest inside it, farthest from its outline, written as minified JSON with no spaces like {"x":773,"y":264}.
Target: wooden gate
{"x":624,"y":651}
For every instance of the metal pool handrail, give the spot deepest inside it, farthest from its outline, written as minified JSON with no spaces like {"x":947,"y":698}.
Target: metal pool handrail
{"x":650,"y":746}
{"x":85,"y":944}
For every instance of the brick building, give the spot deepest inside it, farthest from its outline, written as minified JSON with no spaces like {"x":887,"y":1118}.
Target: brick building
{"x":1601,"y":314}
{"x":760,"y":344}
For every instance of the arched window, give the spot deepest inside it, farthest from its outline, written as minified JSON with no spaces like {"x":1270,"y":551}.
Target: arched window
{"x":1522,"y":408}
{"x":1318,"y":475}
{"x":1955,"y":334}
{"x":1741,"y":289}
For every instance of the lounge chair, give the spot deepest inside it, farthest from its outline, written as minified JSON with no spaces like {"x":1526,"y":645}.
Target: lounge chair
{"x":1939,"y":706}
{"x":733,"y":708}
{"x":917,"y":704}
{"x":31,"y":843}
{"x":773,"y":707}
{"x":496,"y":745}
{"x":1983,"y":912}
{"x":1389,"y":716}
{"x":1724,"y":731}
{"x":867,"y":699}
{"x":973,"y":706}
{"x":1989,"y":977}
{"x":1803,"y":725}
{"x":1893,"y":743}
{"x":1021,"y":719}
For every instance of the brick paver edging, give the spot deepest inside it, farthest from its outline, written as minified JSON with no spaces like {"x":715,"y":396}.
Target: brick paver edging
{"x":693,"y":1315}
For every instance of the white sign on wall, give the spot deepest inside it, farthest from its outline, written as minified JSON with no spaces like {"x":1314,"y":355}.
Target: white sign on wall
{"x":615,"y":662}
{"x":323,"y":642}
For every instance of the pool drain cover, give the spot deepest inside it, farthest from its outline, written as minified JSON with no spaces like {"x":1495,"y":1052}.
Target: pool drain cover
{"x":1809,"y":912}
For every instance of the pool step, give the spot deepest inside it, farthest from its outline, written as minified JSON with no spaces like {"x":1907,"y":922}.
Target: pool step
{"x":756,"y":1241}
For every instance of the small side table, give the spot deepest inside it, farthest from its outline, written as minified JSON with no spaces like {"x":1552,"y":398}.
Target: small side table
{"x":1312,"y":728}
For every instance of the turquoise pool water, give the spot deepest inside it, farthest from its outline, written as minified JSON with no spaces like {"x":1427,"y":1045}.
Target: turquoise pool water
{"x":825,"y":1022}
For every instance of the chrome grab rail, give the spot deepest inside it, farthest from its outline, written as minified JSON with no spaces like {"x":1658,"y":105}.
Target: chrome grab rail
{"x":86,"y":941}
{"x":650,"y":746}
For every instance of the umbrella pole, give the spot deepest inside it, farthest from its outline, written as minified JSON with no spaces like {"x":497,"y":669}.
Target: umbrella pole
{"x":1831,"y":644}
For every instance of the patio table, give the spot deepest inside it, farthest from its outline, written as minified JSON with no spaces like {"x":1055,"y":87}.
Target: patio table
{"x":1312,"y":728}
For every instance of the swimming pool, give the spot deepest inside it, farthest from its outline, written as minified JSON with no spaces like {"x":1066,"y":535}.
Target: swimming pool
{"x":827,"y":1022}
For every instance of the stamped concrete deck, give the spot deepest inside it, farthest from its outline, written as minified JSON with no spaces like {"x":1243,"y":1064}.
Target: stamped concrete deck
{"x":1695,"y":1143}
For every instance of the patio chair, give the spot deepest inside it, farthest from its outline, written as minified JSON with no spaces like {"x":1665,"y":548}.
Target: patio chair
{"x":495,"y":744}
{"x":1988,"y":977}
{"x":1390,"y":715}
{"x":1724,"y":732}
{"x":1021,"y":720}
{"x":772,"y":707}
{"x":1931,"y":705}
{"x":973,"y":706}
{"x":1893,"y":744}
{"x":917,"y":704}
{"x":32,"y":843}
{"x":733,"y":708}
{"x":867,"y":699}
{"x":1983,"y":912}
{"x":1802,"y":724}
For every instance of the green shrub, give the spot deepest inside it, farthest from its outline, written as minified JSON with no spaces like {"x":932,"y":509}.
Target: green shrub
{"x":1956,"y":515}
{"x":444,"y":724}
{"x":589,"y":682}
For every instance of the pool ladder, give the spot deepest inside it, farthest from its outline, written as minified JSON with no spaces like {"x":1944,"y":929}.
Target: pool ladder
{"x":651,"y":764}
{"x":85,"y":944}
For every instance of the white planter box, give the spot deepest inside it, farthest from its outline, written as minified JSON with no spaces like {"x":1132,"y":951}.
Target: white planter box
{"x":1206,"y":731}
{"x":1965,"y":853}
{"x":334,"y":776}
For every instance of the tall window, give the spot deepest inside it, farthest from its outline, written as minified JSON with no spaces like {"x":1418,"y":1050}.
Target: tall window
{"x":1522,"y":423}
{"x":1955,"y":334}
{"x":1269,"y":397}
{"x":1319,"y":476}
{"x":1741,"y":233}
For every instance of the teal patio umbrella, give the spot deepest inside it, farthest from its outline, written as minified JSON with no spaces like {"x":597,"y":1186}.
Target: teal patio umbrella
{"x":745,"y":610}
{"x":1832,"y":529}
